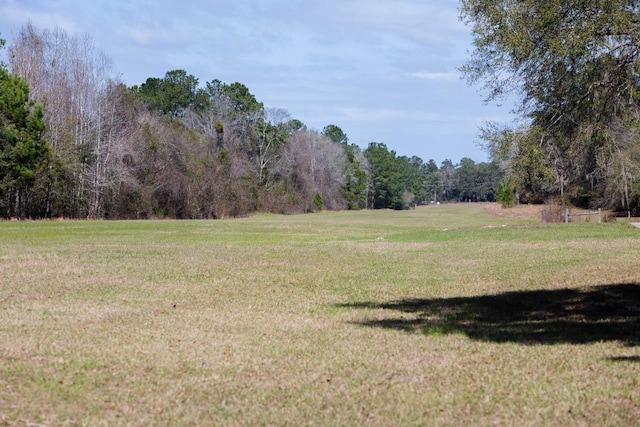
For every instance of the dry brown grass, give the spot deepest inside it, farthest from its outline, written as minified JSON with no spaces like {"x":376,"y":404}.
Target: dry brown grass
{"x":375,"y":318}
{"x":515,"y":212}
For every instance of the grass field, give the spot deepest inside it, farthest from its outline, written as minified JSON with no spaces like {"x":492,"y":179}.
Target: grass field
{"x":445,"y":315}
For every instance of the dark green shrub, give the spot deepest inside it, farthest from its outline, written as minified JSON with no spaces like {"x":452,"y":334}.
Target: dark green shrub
{"x":504,"y":194}
{"x":317,"y":203}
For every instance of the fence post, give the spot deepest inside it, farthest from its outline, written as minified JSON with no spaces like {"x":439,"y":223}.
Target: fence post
{"x":599,"y":215}
{"x":566,"y":215}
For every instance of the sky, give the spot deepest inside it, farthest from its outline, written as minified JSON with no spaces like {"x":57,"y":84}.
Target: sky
{"x":382,"y":70}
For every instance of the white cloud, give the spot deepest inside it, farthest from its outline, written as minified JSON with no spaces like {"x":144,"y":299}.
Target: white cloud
{"x":432,"y":22}
{"x":442,"y":77}
{"x":387,"y":114}
{"x":156,"y":34}
{"x":17,"y":15}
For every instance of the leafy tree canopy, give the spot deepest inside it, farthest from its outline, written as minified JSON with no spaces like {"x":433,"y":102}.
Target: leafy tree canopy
{"x":576,"y":66}
{"x":242,"y":100}
{"x":558,"y":53}
{"x":171,"y":94}
{"x":296,"y":125}
{"x":23,"y":152}
{"x":335,"y":134}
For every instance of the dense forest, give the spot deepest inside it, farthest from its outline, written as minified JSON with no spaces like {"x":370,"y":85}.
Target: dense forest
{"x":76,"y":142}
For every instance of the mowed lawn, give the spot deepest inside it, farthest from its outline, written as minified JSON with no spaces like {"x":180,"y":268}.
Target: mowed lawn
{"x":443,"y":315}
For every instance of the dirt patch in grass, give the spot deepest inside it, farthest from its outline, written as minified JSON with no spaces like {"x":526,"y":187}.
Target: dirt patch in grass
{"x":515,"y":212}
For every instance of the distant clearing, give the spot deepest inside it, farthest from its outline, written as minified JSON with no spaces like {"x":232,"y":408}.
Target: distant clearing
{"x":443,"y":315}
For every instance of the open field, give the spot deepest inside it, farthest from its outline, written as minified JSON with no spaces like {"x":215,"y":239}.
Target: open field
{"x":445,"y":315}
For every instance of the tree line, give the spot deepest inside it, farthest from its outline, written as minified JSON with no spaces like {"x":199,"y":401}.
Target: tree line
{"x":78,"y":143}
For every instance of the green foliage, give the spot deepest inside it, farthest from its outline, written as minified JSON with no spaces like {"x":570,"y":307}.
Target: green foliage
{"x":504,"y":194}
{"x":241,"y":99}
{"x":551,"y":50}
{"x":527,"y":167}
{"x":403,"y":182}
{"x":173,"y":93}
{"x":386,"y":180}
{"x":465,"y":178}
{"x":432,"y":181}
{"x":447,"y":175}
{"x":498,"y":141}
{"x":396,"y":181}
{"x":576,"y":65}
{"x":335,"y":134}
{"x":531,"y":174}
{"x":317,"y":203}
{"x":296,"y":125}
{"x":634,"y":203}
{"x":411,"y":168}
{"x":355,"y":186}
{"x":2,"y":44}
{"x":475,"y":182}
{"x":23,"y":151}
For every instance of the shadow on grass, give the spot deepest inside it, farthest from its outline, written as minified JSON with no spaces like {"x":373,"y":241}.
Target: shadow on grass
{"x":635,"y":359}
{"x":576,"y":316}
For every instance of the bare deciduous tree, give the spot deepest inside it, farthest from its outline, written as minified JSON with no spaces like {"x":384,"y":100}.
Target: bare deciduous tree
{"x":314,"y":164}
{"x":73,"y":80}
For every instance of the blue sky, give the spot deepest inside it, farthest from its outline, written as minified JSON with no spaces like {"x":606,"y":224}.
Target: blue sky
{"x":382,"y":70}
